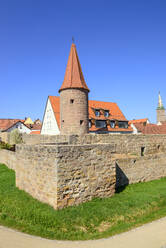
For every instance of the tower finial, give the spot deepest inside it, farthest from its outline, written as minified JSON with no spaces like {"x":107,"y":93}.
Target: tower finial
{"x":160,"y":103}
{"x":72,"y":39}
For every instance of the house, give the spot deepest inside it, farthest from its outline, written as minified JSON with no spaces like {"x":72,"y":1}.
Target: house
{"x":38,"y":122}
{"x":150,"y":129}
{"x":133,"y":124}
{"x":7,"y":125}
{"x":143,"y":126}
{"x":28,"y":120}
{"x":104,"y":117}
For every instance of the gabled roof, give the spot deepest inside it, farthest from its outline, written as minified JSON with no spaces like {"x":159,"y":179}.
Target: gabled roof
{"x":73,"y":76}
{"x":115,"y":113}
{"x":5,"y":124}
{"x":55,"y":103}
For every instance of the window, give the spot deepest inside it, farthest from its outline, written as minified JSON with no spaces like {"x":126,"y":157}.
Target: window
{"x":123,"y":124}
{"x":81,"y":122}
{"x":112,"y":124}
{"x":97,"y":112}
{"x":106,"y":113}
{"x":100,"y":124}
{"x":71,"y":101}
{"x":90,"y":124}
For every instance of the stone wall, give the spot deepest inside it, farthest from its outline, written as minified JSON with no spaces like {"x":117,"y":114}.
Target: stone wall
{"x":33,"y":139}
{"x":5,"y":137}
{"x":8,"y":158}
{"x":65,"y":175}
{"x":140,"y":169}
{"x":76,"y":168}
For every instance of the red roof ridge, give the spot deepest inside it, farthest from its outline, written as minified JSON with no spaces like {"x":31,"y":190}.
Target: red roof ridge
{"x":73,"y":76}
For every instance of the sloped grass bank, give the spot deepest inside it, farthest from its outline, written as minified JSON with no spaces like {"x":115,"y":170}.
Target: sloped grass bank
{"x":136,"y":204}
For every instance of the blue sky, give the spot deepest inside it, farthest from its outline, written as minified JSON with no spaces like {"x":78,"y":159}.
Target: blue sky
{"x":121,"y":45}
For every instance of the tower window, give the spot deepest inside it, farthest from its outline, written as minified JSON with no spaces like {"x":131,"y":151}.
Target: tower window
{"x":142,"y":151}
{"x":71,"y":101}
{"x":81,"y":122}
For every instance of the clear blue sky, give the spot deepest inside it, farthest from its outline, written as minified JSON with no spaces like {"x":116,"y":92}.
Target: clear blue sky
{"x":121,"y":45}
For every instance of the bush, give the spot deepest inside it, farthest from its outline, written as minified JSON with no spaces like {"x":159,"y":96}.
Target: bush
{"x":16,"y":137}
{"x":7,"y":146}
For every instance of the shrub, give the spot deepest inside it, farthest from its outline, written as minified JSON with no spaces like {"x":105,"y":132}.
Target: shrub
{"x":16,"y":137}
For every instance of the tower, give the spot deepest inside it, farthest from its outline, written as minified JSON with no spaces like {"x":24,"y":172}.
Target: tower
{"x":74,"y":117}
{"x":161,"y":115}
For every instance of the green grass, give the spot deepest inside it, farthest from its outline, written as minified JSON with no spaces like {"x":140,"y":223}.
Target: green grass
{"x":136,"y":204}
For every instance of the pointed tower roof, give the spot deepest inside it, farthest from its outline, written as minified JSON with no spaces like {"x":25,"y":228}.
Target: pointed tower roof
{"x":73,"y":76}
{"x":160,"y":103}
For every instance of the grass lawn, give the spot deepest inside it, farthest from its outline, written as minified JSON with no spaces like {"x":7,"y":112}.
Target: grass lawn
{"x":136,"y":204}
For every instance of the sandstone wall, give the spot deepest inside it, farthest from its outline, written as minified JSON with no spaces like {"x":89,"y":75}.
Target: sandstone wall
{"x":34,"y":139}
{"x":140,"y":169}
{"x":76,"y":168}
{"x":5,"y":137}
{"x":36,"y":172}
{"x":84,"y":172}
{"x":8,"y":158}
{"x":65,"y":175}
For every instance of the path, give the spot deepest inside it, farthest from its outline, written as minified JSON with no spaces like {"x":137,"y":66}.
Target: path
{"x":152,"y":235}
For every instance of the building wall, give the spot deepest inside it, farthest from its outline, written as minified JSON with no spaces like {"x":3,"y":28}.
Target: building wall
{"x":161,"y":115}
{"x":74,"y":111}
{"x":50,"y":125}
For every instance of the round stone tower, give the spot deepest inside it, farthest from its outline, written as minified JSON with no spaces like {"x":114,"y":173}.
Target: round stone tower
{"x":74,"y":117}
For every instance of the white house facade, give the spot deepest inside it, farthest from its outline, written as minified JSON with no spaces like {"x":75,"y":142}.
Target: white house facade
{"x":49,"y":125}
{"x":20,"y":127}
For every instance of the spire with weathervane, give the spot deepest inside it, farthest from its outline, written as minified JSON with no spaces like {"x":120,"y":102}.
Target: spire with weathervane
{"x":161,"y":115}
{"x":160,"y":103}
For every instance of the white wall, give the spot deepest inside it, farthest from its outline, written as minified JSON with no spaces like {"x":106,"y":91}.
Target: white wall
{"x":135,"y":131}
{"x":20,"y":127}
{"x":50,"y":125}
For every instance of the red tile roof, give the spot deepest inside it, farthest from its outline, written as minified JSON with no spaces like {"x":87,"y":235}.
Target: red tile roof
{"x":8,"y":123}
{"x":35,"y":132}
{"x":34,"y":126}
{"x":73,"y":76}
{"x":115,"y":113}
{"x":151,"y":128}
{"x":138,"y":121}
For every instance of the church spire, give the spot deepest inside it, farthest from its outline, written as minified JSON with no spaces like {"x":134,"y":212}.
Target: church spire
{"x":73,"y":76}
{"x":160,"y":103}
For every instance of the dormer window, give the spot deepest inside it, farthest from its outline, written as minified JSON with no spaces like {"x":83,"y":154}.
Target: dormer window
{"x":112,"y":124}
{"x":106,"y":113}
{"x":97,"y":112}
